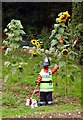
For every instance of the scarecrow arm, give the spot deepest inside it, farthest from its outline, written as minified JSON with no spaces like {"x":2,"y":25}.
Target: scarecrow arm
{"x":38,"y":79}
{"x":56,"y":67}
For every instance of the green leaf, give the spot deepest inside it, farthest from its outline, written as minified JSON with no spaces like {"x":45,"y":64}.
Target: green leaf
{"x":5,"y":42}
{"x":53,"y":31}
{"x":61,"y":30}
{"x":7,"y":50}
{"x":16,"y":32}
{"x":58,"y":36}
{"x":63,"y":76}
{"x":22,"y":32}
{"x":56,"y":25}
{"x":76,"y":67}
{"x":6,"y":78}
{"x":63,"y":24}
{"x":61,"y":64}
{"x":67,"y":42}
{"x":52,"y":34}
{"x":13,"y":70}
{"x":65,"y":37}
{"x":57,"y":20}
{"x":52,"y":49}
{"x":59,"y":55}
{"x":7,"y":63}
{"x":53,"y":42}
{"x":72,"y":77}
{"x":5,"y":30}
{"x":19,"y":38}
{"x":66,"y":34}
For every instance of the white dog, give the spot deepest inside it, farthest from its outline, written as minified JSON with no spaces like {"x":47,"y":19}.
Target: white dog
{"x":31,"y":103}
{"x":34,"y":103}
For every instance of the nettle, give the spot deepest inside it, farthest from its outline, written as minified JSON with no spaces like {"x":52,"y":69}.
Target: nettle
{"x":14,"y":32}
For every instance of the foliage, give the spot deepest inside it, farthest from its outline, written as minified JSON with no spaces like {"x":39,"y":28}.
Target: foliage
{"x":14,"y":34}
{"x":77,"y":28}
{"x":77,"y":11}
{"x":9,"y":99}
{"x":21,"y":84}
{"x":78,"y":45}
{"x":31,"y":31}
{"x":59,"y":34}
{"x":44,"y":38}
{"x":13,"y":30}
{"x":21,"y":71}
{"x":35,"y":14}
{"x":64,"y":54}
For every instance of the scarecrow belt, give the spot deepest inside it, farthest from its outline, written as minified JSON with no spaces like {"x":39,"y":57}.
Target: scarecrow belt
{"x":50,"y":81}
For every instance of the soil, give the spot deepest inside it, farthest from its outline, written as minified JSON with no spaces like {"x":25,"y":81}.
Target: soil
{"x":72,"y":115}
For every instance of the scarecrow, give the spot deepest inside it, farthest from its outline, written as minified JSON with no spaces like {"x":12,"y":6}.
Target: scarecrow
{"x":44,"y":80}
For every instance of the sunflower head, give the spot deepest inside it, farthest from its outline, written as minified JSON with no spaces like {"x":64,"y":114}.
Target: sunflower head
{"x":34,"y":42}
{"x":63,"y":17}
{"x":20,"y":68}
{"x":38,"y":45}
{"x":65,"y":52}
{"x":66,"y":13}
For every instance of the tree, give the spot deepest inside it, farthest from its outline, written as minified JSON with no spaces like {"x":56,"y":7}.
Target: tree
{"x":77,"y":23}
{"x":41,"y":14}
{"x":77,"y":13}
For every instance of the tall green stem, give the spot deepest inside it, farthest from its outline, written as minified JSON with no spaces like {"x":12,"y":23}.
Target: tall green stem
{"x":66,"y":91}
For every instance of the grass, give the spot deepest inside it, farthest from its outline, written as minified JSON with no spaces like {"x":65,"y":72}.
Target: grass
{"x":21,"y":84}
{"x":23,"y":110}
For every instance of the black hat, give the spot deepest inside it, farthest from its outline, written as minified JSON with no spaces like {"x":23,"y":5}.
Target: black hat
{"x":46,"y":62}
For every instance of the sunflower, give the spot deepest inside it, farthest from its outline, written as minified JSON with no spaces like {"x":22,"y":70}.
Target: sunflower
{"x":66,"y":13}
{"x":38,"y":45}
{"x":34,"y":42}
{"x":65,"y":52}
{"x":63,"y":17}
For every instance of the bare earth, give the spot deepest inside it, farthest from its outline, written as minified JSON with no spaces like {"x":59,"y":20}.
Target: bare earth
{"x":74,"y":114}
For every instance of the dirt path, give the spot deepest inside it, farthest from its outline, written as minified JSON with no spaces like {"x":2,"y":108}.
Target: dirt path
{"x":77,"y":115}
{"x":74,"y":114}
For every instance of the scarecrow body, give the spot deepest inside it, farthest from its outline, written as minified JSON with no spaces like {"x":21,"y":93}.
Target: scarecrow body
{"x":45,"y":82}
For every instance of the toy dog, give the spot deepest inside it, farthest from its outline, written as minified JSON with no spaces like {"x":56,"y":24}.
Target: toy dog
{"x":31,"y":103}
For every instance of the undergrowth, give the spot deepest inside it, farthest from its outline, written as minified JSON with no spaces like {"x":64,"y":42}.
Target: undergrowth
{"x":21,"y":84}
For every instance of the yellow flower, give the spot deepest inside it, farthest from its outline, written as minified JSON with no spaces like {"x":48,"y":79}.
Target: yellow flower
{"x":34,"y":42}
{"x":66,"y":13}
{"x":38,"y":45}
{"x":65,"y":52}
{"x":63,"y":17}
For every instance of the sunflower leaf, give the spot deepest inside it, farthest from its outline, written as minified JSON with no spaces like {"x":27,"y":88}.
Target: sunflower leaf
{"x":58,"y":36}
{"x":61,"y":64}
{"x":61,"y":30}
